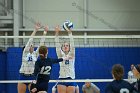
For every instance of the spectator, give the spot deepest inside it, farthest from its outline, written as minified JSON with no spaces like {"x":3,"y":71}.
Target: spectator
{"x":89,"y":87}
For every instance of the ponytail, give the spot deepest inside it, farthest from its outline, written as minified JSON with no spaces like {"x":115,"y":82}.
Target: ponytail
{"x":43,"y":50}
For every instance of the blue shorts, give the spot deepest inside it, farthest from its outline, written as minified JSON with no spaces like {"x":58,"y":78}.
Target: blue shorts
{"x":26,"y":77}
{"x":66,"y":83}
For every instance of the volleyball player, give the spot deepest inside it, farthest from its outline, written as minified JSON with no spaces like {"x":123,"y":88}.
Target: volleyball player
{"x":42,"y":71}
{"x":136,"y":72}
{"x":54,"y":88}
{"x":131,"y":77}
{"x":118,"y":85}
{"x":29,"y":56}
{"x":67,"y":68}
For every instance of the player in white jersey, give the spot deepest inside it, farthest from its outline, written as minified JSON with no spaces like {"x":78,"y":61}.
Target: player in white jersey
{"x":131,"y":77}
{"x":67,"y":68}
{"x":29,"y":57}
{"x":54,"y":88}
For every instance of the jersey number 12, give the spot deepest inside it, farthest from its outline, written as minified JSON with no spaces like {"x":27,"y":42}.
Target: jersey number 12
{"x":45,"y":70}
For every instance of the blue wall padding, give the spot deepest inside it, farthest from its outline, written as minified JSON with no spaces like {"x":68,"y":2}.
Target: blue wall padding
{"x":90,"y":63}
{"x":14,"y":56}
{"x":2,"y":71}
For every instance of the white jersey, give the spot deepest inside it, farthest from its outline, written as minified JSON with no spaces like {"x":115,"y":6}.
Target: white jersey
{"x":28,"y":63}
{"x":67,"y":68}
{"x":28,"y":59}
{"x":131,"y":77}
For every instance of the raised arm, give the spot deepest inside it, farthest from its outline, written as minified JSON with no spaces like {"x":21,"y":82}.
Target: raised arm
{"x":42,"y":40}
{"x":30,"y":41}
{"x":72,"y":47}
{"x":57,"y":43}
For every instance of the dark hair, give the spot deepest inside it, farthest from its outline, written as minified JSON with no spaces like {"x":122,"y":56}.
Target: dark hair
{"x":118,"y":71}
{"x":43,"y":50}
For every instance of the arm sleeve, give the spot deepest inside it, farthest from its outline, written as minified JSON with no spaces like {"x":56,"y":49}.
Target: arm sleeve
{"x":58,"y":46}
{"x":26,"y":50}
{"x":57,"y":60}
{"x":72,"y":47}
{"x":29,"y":43}
{"x":42,"y":42}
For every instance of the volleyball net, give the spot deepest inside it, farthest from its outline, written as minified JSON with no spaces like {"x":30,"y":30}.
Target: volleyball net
{"x":80,"y":41}
{"x":94,"y":56}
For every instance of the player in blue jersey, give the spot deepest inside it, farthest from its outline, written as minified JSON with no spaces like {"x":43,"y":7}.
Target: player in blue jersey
{"x":118,"y":85}
{"x":43,"y":67}
{"x":136,"y":72}
{"x":29,"y":56}
{"x":67,"y":68}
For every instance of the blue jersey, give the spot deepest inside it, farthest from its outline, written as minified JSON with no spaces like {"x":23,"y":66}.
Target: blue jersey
{"x":119,"y":86}
{"x":42,"y":72}
{"x":43,"y":68}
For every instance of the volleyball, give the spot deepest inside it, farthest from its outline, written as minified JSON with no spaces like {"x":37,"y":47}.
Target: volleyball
{"x":67,"y":25}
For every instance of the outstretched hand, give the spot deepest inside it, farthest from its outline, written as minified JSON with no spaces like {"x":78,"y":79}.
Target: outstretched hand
{"x":37,"y":26}
{"x":57,"y":30}
{"x":46,"y":28}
